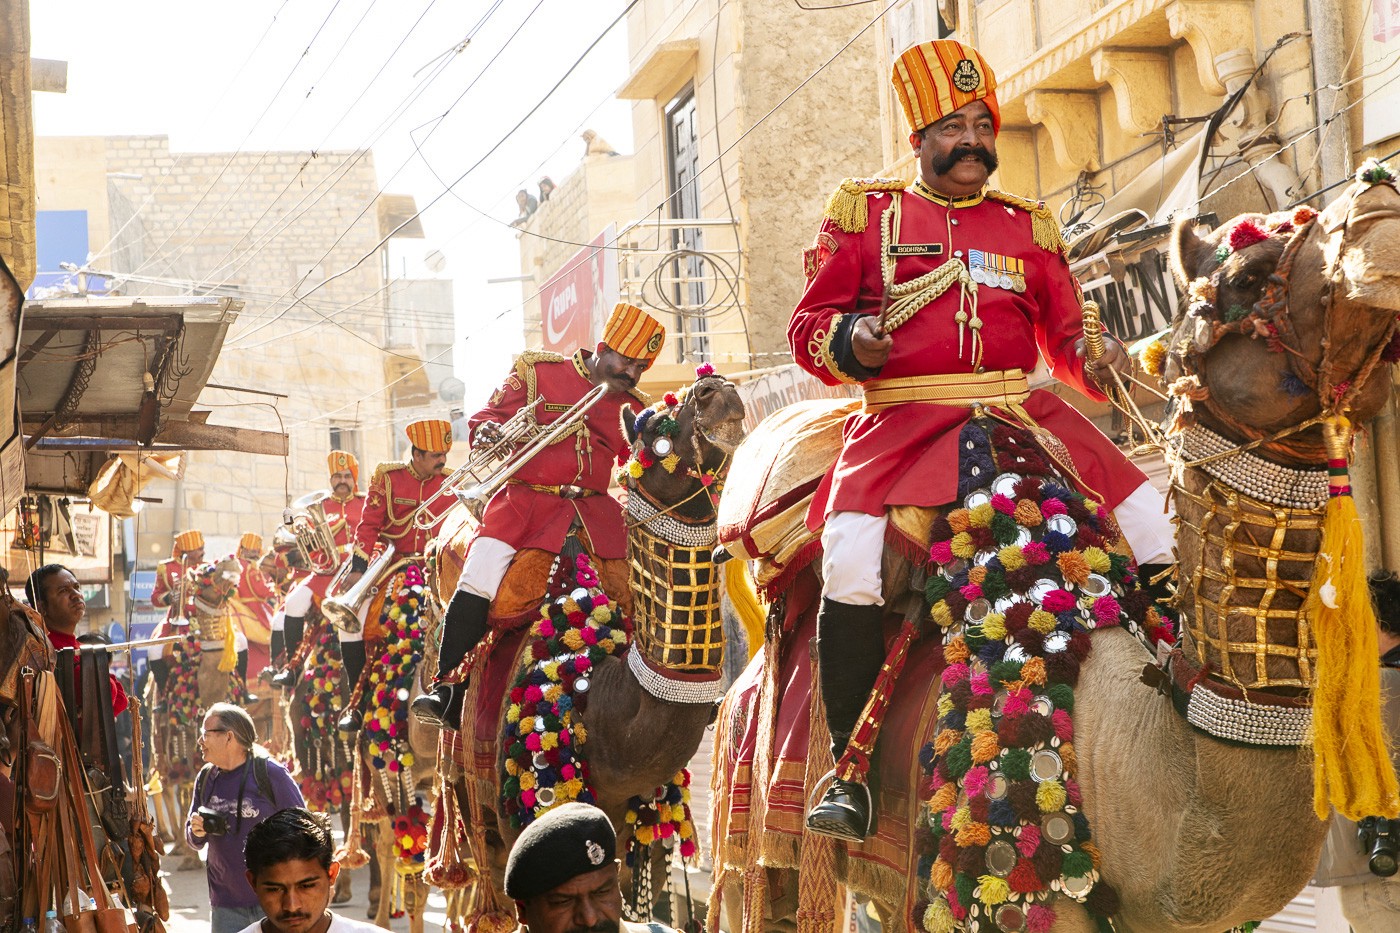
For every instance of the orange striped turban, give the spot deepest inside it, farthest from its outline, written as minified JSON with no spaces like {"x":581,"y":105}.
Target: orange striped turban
{"x":187,"y":541}
{"x":933,"y":79}
{"x":634,"y":333}
{"x":338,"y":460}
{"x":431,"y":434}
{"x":251,"y":541}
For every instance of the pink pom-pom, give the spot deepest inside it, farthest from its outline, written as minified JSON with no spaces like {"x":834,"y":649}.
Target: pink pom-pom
{"x":981,"y":683}
{"x":527,"y":799}
{"x":1073,"y":793}
{"x":972,"y":591}
{"x":1018,"y":703}
{"x":942,"y":552}
{"x":532,"y":742}
{"x":567,"y":772}
{"x":395,"y":766}
{"x":1039,"y":918}
{"x":582,"y":664}
{"x":533,"y":694}
{"x":566,"y":737}
{"x":1107,"y":610}
{"x":947,"y":819}
{"x":704,"y":369}
{"x":954,"y":674}
{"x":1052,"y":506}
{"x":1003,"y":504}
{"x":1028,"y":841}
{"x":688,"y":849}
{"x":1245,"y":234}
{"x":666,"y":830}
{"x":589,"y":635}
{"x":600,"y":599}
{"x":1064,"y":728}
{"x":1057,"y":601}
{"x":955,"y":905}
{"x":1036,"y":553}
{"x":975,"y":781}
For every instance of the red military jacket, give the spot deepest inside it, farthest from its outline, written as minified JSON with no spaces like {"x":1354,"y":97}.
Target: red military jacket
{"x":167,"y":587}
{"x":344,"y":516}
{"x":395,"y":492}
{"x":904,"y":455}
{"x":532,"y":518}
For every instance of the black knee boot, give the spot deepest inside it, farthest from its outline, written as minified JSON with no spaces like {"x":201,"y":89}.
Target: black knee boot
{"x":287,"y":677}
{"x":850,"y":651}
{"x":352,"y":653}
{"x":160,"y":671}
{"x":276,"y":648}
{"x":241,"y":666}
{"x":463,"y":628}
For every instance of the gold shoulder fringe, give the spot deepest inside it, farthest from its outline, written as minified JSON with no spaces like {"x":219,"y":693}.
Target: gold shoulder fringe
{"x":846,"y":206}
{"x":640,"y":396}
{"x":388,"y":466}
{"x":540,"y":356}
{"x":1045,"y":229}
{"x":525,"y":368}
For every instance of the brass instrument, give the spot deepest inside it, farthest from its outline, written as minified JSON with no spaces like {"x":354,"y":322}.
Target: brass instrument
{"x":311,"y":529}
{"x":490,"y":466}
{"x":343,"y":610}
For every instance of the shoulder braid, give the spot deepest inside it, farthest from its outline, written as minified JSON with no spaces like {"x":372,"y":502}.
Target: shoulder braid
{"x":1045,"y":229}
{"x":846,"y":206}
{"x":525,"y":368}
{"x":386,"y":468}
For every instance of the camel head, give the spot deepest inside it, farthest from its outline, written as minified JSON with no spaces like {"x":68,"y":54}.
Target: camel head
{"x":683,"y":444}
{"x":1284,"y":311}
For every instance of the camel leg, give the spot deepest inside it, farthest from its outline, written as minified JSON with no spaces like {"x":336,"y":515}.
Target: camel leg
{"x":376,"y":887}
{"x":384,"y":855}
{"x":415,"y":901}
{"x":343,"y":893}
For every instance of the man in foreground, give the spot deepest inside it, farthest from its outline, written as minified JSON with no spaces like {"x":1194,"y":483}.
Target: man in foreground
{"x":562,"y":874}
{"x":291,"y":870}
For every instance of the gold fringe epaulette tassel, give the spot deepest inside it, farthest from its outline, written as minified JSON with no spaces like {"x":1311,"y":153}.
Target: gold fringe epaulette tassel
{"x":388,"y":466}
{"x":1045,"y":229}
{"x":846,"y":206}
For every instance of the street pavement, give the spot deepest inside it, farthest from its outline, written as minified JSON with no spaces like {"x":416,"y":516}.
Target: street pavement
{"x":189,"y":899}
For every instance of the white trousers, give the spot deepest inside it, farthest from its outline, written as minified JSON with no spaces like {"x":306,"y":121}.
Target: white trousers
{"x":488,"y":559}
{"x":853,"y":545}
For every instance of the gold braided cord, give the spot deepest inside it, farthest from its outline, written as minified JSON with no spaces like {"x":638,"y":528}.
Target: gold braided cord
{"x":1231,"y":525}
{"x":906,"y":298}
{"x":676,"y":603}
{"x":846,"y":207}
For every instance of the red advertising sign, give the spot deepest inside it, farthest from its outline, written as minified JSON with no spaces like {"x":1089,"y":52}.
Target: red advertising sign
{"x":576,"y":300}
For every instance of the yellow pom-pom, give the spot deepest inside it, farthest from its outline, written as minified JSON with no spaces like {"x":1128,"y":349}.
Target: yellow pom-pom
{"x":943,"y":798}
{"x":1050,"y":796}
{"x":549,"y":740}
{"x":1154,"y":358}
{"x":1041,"y":621}
{"x":527,"y":780}
{"x":634,"y":469}
{"x":527,"y":724}
{"x":985,"y":747}
{"x":942,"y":615}
{"x":407,"y":759}
{"x":1097,"y":559}
{"x":962,"y":817}
{"x":551,"y":670}
{"x":962,"y":546}
{"x":994,"y":626}
{"x":979,"y":720}
{"x":938,"y":918}
{"x":1012,"y":557}
{"x":945,"y":704}
{"x":580,"y":734}
{"x":992,"y":890}
{"x":511,"y":767}
{"x":572,"y":640}
{"x":981,"y":515}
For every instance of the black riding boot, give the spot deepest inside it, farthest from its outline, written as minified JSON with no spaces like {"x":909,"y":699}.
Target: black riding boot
{"x":276,"y":648}
{"x":463,"y":628}
{"x":850,"y":652}
{"x":352,"y":653}
{"x":287,"y":677}
{"x":160,"y":670}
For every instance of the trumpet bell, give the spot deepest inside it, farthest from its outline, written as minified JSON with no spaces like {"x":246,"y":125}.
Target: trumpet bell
{"x":343,"y":609}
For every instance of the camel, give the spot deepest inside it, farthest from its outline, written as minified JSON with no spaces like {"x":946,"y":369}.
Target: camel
{"x":1193,"y":833}
{"x":648,"y":707}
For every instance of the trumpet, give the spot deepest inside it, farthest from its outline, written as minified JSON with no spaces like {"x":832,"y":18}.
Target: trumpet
{"x":491,"y":466}
{"x":311,"y":529}
{"x":343,"y":609}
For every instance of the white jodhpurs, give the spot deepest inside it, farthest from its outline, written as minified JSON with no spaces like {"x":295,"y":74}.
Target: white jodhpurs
{"x":488,"y":559}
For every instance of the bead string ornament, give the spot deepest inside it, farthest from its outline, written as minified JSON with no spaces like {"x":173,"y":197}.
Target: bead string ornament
{"x":543,"y":733}
{"x":325,"y":779}
{"x":391,"y":679}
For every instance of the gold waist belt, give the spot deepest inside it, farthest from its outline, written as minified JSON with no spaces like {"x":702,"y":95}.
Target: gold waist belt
{"x":563,"y":492}
{"x":1004,"y":388}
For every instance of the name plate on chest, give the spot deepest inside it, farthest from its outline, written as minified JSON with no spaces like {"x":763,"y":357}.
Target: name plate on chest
{"x":915,"y":249}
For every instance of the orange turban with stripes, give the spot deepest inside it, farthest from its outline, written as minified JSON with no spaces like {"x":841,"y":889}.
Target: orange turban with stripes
{"x":187,"y":541}
{"x":251,"y":541}
{"x":338,"y":460}
{"x":431,"y":434}
{"x":933,"y":79}
{"x":634,"y":333}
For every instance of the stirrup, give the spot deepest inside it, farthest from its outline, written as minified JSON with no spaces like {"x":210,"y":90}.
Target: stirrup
{"x":836,"y":828}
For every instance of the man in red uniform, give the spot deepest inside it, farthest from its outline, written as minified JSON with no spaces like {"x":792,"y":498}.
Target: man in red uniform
{"x":564,"y":482}
{"x":252,"y":606}
{"x":936,"y":297}
{"x":54,"y":593}
{"x":343,"y":508}
{"x":395,"y":492}
{"x":186,"y":552}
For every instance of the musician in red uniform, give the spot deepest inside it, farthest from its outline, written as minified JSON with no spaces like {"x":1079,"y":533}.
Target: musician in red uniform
{"x":564,"y":482}
{"x":395,"y":492}
{"x":185,"y":553}
{"x":973,"y":288}
{"x":343,"y":508}
{"x":252,"y":606}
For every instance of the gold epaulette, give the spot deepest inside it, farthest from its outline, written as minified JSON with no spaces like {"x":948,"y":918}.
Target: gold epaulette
{"x":846,"y":207}
{"x":388,"y":466}
{"x":1045,"y":229}
{"x":640,"y":396}
{"x":525,"y":367}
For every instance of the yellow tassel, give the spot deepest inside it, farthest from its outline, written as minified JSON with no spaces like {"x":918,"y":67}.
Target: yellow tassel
{"x":230,"y":659}
{"x":1352,"y":768}
{"x":738,"y":584}
{"x":1045,"y":229}
{"x":846,"y":207}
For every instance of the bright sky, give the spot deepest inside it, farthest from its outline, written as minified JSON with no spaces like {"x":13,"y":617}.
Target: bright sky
{"x":290,"y":75}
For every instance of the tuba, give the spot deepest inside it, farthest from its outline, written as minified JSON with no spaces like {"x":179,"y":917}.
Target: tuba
{"x":490,"y":466}
{"x":315,"y":542}
{"x":343,"y":609}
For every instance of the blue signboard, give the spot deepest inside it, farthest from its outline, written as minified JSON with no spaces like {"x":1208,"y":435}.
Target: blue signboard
{"x":61,"y":236}
{"x":143,"y":583}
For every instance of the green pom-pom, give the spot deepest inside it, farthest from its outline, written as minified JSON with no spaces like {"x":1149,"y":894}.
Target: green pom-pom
{"x":973,"y":638}
{"x":1076,"y":864}
{"x":1375,"y":172}
{"x":994,"y":585}
{"x":1222,"y":253}
{"x":1016,"y":764}
{"x":1235,"y":313}
{"x":959,"y":758}
{"x":1004,"y":529}
{"x":964,"y":884}
{"x":510,"y":787}
{"x":1006,"y":672}
{"x":936,"y":588}
{"x":1117,"y":566}
{"x":1062,"y":695}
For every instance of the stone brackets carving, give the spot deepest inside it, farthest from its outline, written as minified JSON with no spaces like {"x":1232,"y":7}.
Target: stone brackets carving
{"x":1212,"y":28}
{"x":1072,"y":120}
{"x":1141,"y":82}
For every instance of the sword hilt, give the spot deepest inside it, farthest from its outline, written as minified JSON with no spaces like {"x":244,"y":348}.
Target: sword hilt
{"x":1094,"y":348}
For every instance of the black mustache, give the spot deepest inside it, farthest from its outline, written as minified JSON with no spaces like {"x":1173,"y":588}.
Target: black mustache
{"x":942,"y":165}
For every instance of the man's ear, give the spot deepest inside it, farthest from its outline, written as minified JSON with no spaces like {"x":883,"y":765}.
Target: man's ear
{"x":334,"y":871}
{"x":916,"y":140}
{"x":520,"y":914}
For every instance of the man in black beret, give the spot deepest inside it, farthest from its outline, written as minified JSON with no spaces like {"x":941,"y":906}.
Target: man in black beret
{"x":562,"y":875}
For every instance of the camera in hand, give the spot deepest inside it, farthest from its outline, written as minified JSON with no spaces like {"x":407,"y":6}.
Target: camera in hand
{"x":1380,"y":840}
{"x":216,"y":824}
